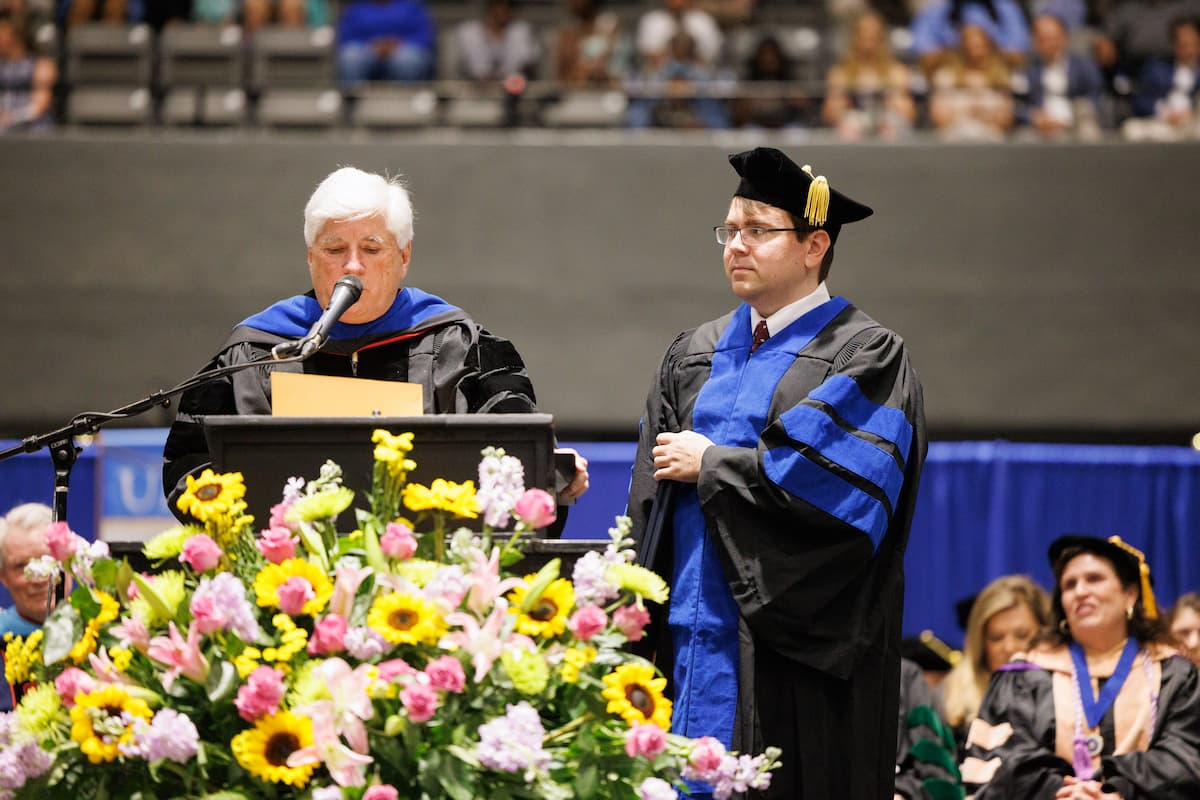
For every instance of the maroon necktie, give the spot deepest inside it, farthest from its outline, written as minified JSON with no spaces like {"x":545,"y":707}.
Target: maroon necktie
{"x":761,"y":334}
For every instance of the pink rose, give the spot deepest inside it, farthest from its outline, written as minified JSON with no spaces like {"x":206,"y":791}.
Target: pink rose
{"x":200,"y":552}
{"x":446,"y":673}
{"x":329,"y":635}
{"x":398,"y":541}
{"x":420,"y":701}
{"x":536,"y":507}
{"x":261,"y":693}
{"x":383,"y":791}
{"x":71,"y":682}
{"x":293,"y":594}
{"x":207,"y":614}
{"x":390,"y":670}
{"x":645,"y":740}
{"x":588,"y":621}
{"x":277,"y":545}
{"x":279,"y":517}
{"x":632,"y":621}
{"x":706,"y":755}
{"x":61,"y":542}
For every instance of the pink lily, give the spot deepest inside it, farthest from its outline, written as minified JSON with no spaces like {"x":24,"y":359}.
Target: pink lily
{"x":345,"y":586}
{"x":350,"y":704}
{"x":183,"y":657}
{"x":486,"y":585}
{"x":483,"y":643}
{"x":346,"y":767}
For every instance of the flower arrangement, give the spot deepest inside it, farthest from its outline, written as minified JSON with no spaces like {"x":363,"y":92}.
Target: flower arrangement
{"x":295,"y":662}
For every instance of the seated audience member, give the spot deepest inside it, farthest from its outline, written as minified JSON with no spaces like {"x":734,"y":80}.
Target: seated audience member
{"x":256,"y":14}
{"x":658,"y":27}
{"x":972,"y":92}
{"x":1063,"y":88}
{"x":1102,"y":707}
{"x":673,"y":94}
{"x":1134,"y":31}
{"x":1004,"y":620}
{"x":22,"y":539}
{"x":937,"y":29}
{"x":361,"y":224}
{"x":389,"y":40}
{"x":590,"y":49}
{"x":26,"y":79}
{"x":934,"y":657}
{"x":867,"y":91}
{"x":1164,"y":105}
{"x":781,"y":107}
{"x":925,"y":750}
{"x":75,"y":12}
{"x":497,"y":46}
{"x":1184,"y":624}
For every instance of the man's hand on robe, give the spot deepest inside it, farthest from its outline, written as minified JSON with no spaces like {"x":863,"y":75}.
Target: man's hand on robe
{"x":677,"y":456}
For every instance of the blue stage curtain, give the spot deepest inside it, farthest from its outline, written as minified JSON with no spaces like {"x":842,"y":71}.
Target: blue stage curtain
{"x":987,"y":509}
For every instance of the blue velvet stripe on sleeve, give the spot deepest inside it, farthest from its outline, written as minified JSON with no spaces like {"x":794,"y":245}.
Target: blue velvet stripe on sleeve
{"x":846,"y":399}
{"x":819,"y":487}
{"x":813,"y":427}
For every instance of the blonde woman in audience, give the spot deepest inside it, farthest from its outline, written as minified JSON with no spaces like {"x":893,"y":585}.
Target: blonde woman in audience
{"x":1184,"y":624}
{"x":867,"y":91}
{"x":1004,"y":620}
{"x":972,"y":92}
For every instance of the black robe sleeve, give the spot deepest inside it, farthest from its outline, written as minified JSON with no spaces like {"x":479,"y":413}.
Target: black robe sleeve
{"x":1170,"y":769}
{"x":1028,"y":765}
{"x":812,"y":523}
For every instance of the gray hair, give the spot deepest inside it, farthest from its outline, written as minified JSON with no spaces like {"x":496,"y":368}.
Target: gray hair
{"x":350,"y":193}
{"x":25,"y":517}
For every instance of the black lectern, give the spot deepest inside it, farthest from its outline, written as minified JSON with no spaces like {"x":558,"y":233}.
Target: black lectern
{"x":269,"y":450}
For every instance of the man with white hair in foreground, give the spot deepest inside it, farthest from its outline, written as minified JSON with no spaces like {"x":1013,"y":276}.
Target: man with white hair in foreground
{"x":361,"y":224}
{"x":22,"y":539}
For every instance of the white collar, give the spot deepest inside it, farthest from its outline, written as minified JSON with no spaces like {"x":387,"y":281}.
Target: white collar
{"x":792,"y":311}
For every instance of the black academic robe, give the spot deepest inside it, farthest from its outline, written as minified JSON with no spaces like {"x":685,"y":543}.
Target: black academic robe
{"x":818,"y":597}
{"x":1020,"y":745}
{"x":925,"y":748}
{"x":461,"y":366}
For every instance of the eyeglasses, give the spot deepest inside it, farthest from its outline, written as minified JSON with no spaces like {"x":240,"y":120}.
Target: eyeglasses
{"x":750,"y":236}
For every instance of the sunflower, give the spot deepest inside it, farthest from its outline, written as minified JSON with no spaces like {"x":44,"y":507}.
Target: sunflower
{"x":109,"y":610}
{"x":211,"y":494}
{"x":272,"y":576}
{"x":102,"y":721}
{"x":548,"y":615}
{"x":404,"y":618}
{"x":443,"y":495}
{"x":635,"y":693}
{"x":264,"y":749}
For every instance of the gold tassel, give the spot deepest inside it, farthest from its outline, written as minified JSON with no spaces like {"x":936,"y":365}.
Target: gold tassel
{"x":1148,"y":603}
{"x":943,"y":650}
{"x":816,"y":207}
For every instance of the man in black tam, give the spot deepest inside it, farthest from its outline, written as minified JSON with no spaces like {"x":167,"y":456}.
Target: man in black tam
{"x":774,"y":482}
{"x":358,"y":223}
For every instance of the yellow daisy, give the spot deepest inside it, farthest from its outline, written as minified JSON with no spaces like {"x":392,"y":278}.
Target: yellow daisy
{"x":102,"y":721}
{"x":272,"y":576}
{"x":548,"y":615}
{"x":211,"y":494}
{"x":443,"y":495}
{"x":635,"y":693}
{"x":109,"y":610}
{"x":264,"y":749}
{"x":404,"y":618}
{"x":21,"y":656}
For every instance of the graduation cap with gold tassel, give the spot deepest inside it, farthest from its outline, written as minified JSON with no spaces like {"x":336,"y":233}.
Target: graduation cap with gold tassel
{"x":1129,"y":562}
{"x":769,"y":176}
{"x":1149,"y":605}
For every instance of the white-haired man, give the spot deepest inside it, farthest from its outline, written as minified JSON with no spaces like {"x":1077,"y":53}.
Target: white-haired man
{"x":22,"y":539}
{"x":359,"y":223}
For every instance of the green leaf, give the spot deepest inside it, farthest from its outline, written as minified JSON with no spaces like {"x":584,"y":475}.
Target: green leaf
{"x":63,"y":628}
{"x":369,"y":525}
{"x":151,"y":596}
{"x":545,"y":576}
{"x":587,"y":781}
{"x":85,"y":603}
{"x":104,"y":572}
{"x":221,"y":681}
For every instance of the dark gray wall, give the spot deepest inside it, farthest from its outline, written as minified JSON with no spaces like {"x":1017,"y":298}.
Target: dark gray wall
{"x":1041,"y":288}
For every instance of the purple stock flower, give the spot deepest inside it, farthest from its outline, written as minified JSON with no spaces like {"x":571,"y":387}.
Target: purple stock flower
{"x":513,"y":743}
{"x":501,"y":483}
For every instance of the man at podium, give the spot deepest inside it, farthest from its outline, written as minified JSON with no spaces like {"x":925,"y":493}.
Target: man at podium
{"x":359,"y":224}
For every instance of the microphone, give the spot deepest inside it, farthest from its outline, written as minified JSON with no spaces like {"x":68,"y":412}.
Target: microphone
{"x":345,"y":294}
